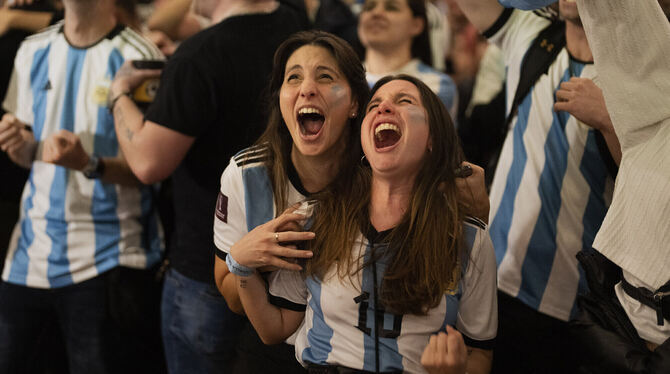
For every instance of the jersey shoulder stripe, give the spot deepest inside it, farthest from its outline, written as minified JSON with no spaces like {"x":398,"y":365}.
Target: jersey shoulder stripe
{"x":252,"y":155}
{"x":149,"y":48}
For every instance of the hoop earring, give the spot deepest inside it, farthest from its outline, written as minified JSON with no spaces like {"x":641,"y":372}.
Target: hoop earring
{"x":364,"y":161}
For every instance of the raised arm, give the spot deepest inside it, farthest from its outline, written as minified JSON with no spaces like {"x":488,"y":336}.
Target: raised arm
{"x":481,"y":13}
{"x":152,"y":151}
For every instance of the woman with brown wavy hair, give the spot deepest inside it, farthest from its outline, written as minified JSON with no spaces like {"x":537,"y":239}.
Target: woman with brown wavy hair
{"x":394,"y":258}
{"x":317,"y":96}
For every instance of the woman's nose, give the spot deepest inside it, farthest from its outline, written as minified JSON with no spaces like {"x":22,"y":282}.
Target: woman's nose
{"x":385,"y":107}
{"x":308,"y":88}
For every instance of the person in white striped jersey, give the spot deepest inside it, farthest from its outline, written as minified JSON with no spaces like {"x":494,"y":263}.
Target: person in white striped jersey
{"x":395,"y":259}
{"x":84,"y":215}
{"x":550,"y":192}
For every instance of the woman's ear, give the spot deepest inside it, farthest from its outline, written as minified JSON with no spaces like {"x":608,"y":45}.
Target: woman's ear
{"x":353,"y":112}
{"x":418,"y":24}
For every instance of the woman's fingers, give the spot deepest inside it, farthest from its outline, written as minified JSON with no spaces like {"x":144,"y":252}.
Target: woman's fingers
{"x":291,"y":253}
{"x":284,"y":219}
{"x":291,"y":236}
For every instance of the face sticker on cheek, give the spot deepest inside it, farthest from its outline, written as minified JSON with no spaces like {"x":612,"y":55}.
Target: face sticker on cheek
{"x":339,"y":94}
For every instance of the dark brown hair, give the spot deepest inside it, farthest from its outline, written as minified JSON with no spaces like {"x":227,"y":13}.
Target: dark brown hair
{"x":277,"y":137}
{"x":424,"y":252}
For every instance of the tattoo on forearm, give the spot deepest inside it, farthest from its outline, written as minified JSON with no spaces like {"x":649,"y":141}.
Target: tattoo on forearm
{"x":243,"y":283}
{"x":120,"y":122}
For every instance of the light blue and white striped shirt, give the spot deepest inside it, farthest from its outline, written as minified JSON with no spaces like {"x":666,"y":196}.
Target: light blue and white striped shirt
{"x":340,"y":314}
{"x":72,"y":228}
{"x":551,"y":188}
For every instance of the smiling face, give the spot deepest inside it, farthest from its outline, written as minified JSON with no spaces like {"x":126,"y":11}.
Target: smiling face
{"x":315,"y":101}
{"x":385,"y":24}
{"x":395,"y":133}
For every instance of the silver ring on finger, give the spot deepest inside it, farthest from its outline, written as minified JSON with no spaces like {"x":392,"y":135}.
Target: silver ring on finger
{"x":277,"y":237}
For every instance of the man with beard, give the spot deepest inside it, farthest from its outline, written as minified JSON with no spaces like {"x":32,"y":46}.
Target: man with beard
{"x":550,"y":192}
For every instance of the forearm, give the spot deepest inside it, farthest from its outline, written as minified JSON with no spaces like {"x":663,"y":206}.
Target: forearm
{"x":481,"y":13}
{"x":228,"y":289}
{"x":129,"y":122}
{"x":25,"y":154}
{"x":169,"y":17}
{"x":267,"y":319}
{"x":117,"y":171}
{"x":479,"y":361}
{"x":28,"y":20}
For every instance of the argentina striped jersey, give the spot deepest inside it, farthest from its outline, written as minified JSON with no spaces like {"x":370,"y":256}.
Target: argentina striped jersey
{"x":246,"y":199}
{"x":340,"y":326}
{"x":551,"y":188}
{"x":72,"y":228}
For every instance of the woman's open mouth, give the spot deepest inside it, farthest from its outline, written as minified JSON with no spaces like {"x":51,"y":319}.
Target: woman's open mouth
{"x":311,"y":122}
{"x":386,"y":135}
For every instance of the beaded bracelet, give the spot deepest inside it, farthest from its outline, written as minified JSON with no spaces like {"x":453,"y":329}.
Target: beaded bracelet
{"x":238,"y":269}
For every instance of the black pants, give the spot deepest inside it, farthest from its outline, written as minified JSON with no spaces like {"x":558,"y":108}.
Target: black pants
{"x":255,"y":357}
{"x":109,"y":324}
{"x":530,"y":342}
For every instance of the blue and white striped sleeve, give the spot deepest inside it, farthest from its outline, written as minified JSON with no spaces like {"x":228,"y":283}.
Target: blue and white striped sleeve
{"x":477,"y":317}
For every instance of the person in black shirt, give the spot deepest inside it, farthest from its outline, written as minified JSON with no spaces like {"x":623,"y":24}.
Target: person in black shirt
{"x":207,"y":108}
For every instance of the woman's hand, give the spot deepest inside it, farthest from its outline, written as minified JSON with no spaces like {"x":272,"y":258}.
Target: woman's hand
{"x":472,"y":191}
{"x":270,"y":244}
{"x":445,"y":353}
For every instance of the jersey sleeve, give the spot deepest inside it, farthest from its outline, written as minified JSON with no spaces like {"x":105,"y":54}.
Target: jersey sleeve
{"x":288,"y":290}
{"x":19,"y":98}
{"x":477,"y":317}
{"x":230,"y":221}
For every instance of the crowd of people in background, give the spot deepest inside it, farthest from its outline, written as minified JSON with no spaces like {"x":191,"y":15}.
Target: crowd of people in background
{"x":334,"y":186}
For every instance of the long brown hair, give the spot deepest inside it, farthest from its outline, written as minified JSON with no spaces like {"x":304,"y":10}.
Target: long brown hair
{"x":424,"y":252}
{"x":277,"y":137}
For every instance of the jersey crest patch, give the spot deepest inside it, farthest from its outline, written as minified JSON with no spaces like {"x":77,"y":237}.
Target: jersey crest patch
{"x":221,"y":211}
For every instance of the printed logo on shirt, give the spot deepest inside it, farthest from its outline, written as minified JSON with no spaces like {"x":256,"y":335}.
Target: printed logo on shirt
{"x":221,"y":211}
{"x":100,"y":92}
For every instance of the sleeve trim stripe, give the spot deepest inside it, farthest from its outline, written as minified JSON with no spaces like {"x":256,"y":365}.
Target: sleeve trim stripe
{"x":499,"y":23}
{"x":149,"y":46}
{"x":286,"y":304}
{"x":124,"y":36}
{"x":481,"y":344}
{"x":475,"y":222}
{"x":221,"y":254}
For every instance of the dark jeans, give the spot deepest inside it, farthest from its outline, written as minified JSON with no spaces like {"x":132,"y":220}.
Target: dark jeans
{"x":530,"y":342}
{"x":200,"y":332}
{"x":81,"y":313}
{"x":109,"y":324}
